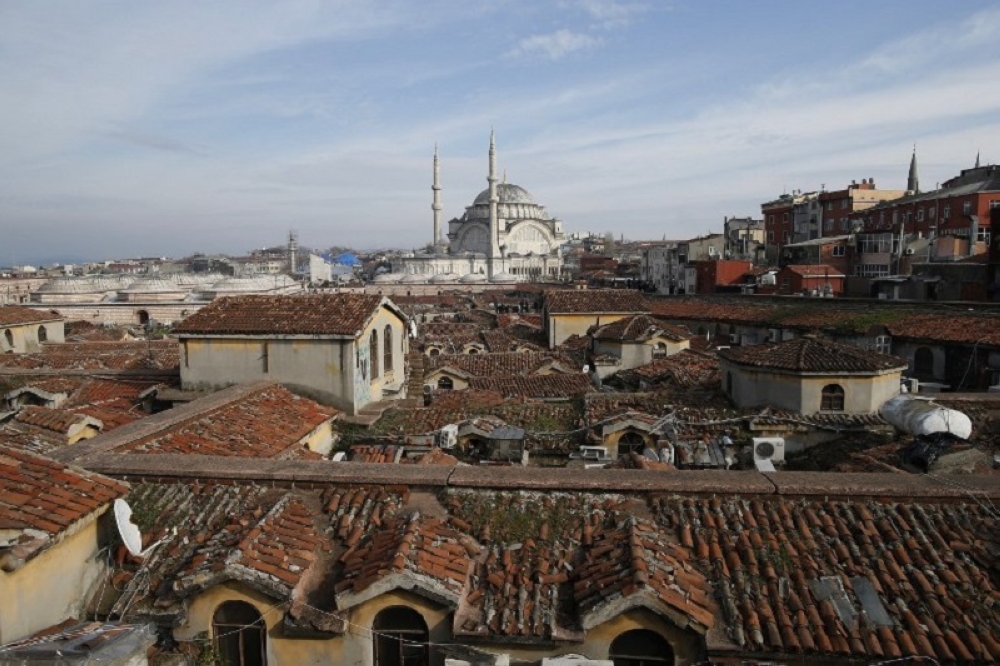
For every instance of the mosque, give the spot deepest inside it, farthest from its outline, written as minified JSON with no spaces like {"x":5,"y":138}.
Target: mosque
{"x":503,"y":237}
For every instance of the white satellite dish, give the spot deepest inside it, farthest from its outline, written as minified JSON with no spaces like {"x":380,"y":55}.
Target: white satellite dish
{"x":131,"y":536}
{"x":129,"y":531}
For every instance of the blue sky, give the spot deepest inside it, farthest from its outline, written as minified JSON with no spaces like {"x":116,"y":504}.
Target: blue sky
{"x":165,"y":128}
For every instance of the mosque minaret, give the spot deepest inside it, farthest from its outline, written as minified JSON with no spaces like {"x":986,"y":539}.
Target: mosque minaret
{"x":504,"y":236}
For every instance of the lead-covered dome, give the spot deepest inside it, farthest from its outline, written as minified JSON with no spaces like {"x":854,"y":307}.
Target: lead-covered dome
{"x":507,"y":193}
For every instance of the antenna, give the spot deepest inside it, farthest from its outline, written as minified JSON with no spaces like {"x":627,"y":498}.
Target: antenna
{"x":129,"y":531}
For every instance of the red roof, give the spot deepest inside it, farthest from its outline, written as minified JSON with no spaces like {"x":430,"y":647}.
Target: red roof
{"x":814,"y":270}
{"x":13,"y":315}
{"x":639,"y":328}
{"x":813,"y":355}
{"x":583,"y":301}
{"x":323,"y":314}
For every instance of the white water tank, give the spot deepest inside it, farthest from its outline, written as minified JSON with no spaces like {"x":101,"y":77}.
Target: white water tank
{"x":918,"y":416}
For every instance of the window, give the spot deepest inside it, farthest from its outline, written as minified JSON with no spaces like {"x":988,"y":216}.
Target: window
{"x":839,"y":250}
{"x":967,"y":208}
{"x":843,"y":224}
{"x":994,"y":203}
{"x":843,"y":203}
{"x":9,"y":337}
{"x":982,"y":236}
{"x":433,"y":351}
{"x":770,"y":236}
{"x":445,"y":384}
{"x":784,"y":217}
{"x":631,"y":442}
{"x":832,"y":399}
{"x":400,"y":638}
{"x":932,"y":212}
{"x":883,"y":344}
{"x":947,"y":211}
{"x":240,"y":634}
{"x":920,"y":215}
{"x":373,"y":353}
{"x":143,"y":317}
{"x":923,"y":363}
{"x":660,"y":350}
{"x":387,"y":343}
{"x":640,"y":647}
{"x":770,"y":219}
{"x":43,"y":335}
{"x":895,"y":216}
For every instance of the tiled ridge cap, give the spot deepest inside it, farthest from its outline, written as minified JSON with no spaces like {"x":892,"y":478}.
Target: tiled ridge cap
{"x":220,"y":469}
{"x":151,"y":425}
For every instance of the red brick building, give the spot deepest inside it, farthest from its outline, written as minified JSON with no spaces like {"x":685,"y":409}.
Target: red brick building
{"x":839,"y":206}
{"x":960,"y":207}
{"x":778,"y":220}
{"x":715,"y":276}
{"x":800,"y":278}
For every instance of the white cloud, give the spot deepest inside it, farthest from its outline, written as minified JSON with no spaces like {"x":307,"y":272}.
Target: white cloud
{"x":607,"y":13}
{"x":555,"y":45}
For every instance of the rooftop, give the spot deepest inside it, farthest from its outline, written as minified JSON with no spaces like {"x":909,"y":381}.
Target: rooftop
{"x":814,"y":355}
{"x":583,"y":301}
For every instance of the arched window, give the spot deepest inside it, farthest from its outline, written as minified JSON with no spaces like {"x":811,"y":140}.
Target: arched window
{"x":640,"y":647}
{"x":433,"y":351}
{"x":240,"y":634}
{"x":833,"y":398}
{"x":445,"y":384}
{"x":660,"y":350}
{"x":43,"y":335}
{"x":387,"y":343}
{"x":8,"y":335}
{"x":143,"y":317}
{"x":923,"y":363}
{"x":400,"y":638}
{"x":373,"y":353}
{"x":472,"y":351}
{"x":631,"y":442}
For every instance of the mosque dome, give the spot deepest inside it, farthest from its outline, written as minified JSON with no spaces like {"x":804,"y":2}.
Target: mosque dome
{"x":503,"y":278}
{"x":387,"y":278}
{"x":472,"y":278}
{"x":153,"y":285}
{"x":507,"y":193}
{"x":413,"y":278}
{"x":441,"y":278}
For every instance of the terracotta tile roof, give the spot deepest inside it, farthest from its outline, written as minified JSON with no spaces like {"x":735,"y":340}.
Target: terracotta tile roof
{"x":532,"y":320}
{"x":637,"y":560}
{"x":949,"y":327}
{"x":814,"y":270}
{"x":639,"y":328}
{"x":54,"y":420}
{"x":152,"y":355}
{"x":861,"y":579}
{"x":536,"y":386}
{"x":38,"y":493}
{"x":266,"y":423}
{"x":813,"y":355}
{"x":502,"y":341}
{"x":54,"y":385}
{"x":507,"y":364}
{"x":455,"y":334}
{"x":686,"y":369}
{"x":582,"y":301}
{"x":326,"y":314}
{"x":13,"y":315}
{"x":437,"y":457}
{"x":98,"y":391}
{"x":421,"y":549}
{"x":471,"y":400}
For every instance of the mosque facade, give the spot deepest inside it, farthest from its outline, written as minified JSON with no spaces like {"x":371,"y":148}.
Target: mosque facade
{"x":503,"y":237}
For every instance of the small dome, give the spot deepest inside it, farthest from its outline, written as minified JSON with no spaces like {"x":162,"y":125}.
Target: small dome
{"x":387,"y":278}
{"x":507,"y":193}
{"x":153,"y":285}
{"x":472,"y":278}
{"x":413,"y":278}
{"x":443,"y":278}
{"x":503,"y":278}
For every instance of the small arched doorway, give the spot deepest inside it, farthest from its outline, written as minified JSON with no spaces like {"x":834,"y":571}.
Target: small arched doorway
{"x":400,"y":638}
{"x":640,"y":647}
{"x":143,"y":317}
{"x":240,"y":634}
{"x":923,"y":363}
{"x":43,"y":335}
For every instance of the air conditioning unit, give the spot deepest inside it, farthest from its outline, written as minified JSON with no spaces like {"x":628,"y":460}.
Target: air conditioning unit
{"x":448,"y":436}
{"x":769,"y":448}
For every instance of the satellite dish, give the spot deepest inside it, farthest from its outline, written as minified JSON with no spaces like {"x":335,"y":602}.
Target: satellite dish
{"x":339,"y":456}
{"x":129,"y":531}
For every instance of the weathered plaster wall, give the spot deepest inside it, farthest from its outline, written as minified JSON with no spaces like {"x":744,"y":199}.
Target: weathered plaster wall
{"x":52,"y":586}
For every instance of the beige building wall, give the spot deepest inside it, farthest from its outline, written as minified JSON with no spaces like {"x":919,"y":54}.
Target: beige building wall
{"x":752,"y":387}
{"x":389,"y":381}
{"x":562,"y":326}
{"x":634,"y":354}
{"x":25,"y":338}
{"x":53,"y":586}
